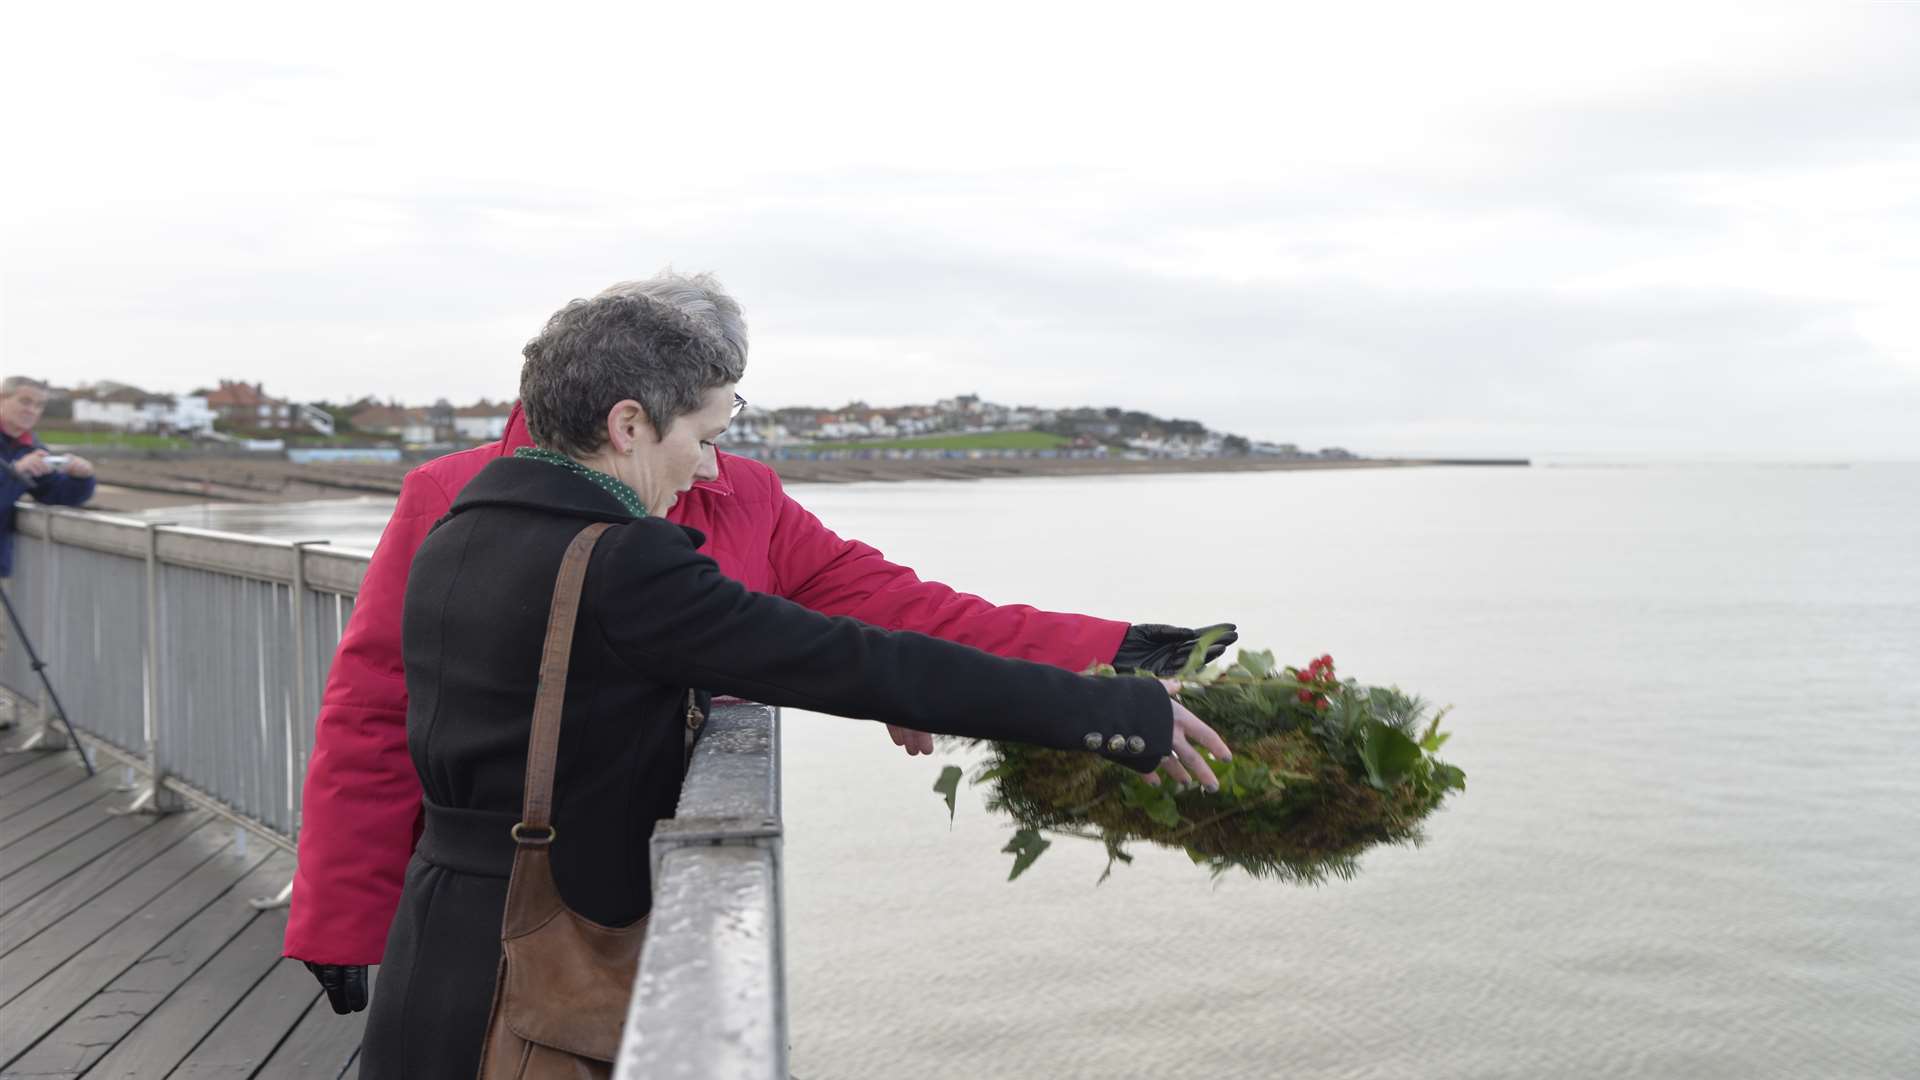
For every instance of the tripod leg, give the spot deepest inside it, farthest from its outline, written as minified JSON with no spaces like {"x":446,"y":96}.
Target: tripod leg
{"x":43,"y":740}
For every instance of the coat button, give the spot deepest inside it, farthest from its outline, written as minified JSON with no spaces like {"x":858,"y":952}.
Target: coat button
{"x":1116,"y":744}
{"x":1093,"y":740}
{"x":1137,"y":744}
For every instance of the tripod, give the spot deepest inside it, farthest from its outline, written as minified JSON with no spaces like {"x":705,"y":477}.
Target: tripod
{"x":40,"y":669}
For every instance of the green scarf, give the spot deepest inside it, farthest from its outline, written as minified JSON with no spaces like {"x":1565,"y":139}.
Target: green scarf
{"x":610,"y":484}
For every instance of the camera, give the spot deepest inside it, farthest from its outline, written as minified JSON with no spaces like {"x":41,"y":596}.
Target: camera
{"x":57,"y":462}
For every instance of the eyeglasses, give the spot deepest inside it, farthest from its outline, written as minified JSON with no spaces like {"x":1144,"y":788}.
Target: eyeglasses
{"x":738,"y":404}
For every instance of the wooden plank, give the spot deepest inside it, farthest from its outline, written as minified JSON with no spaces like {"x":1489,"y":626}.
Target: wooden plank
{"x":323,"y":1045}
{"x":247,"y":1037}
{"x":93,"y":1029}
{"x":38,"y":763}
{"x":76,"y":814}
{"x":12,"y":784}
{"x":26,"y":920}
{"x":28,"y":1017}
{"x":31,"y":879}
{"x":171,"y":1032}
{"x":11,"y":760}
{"x":74,"y":927}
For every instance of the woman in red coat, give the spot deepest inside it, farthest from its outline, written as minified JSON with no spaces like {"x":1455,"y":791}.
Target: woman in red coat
{"x":624,"y":399}
{"x":362,"y":809}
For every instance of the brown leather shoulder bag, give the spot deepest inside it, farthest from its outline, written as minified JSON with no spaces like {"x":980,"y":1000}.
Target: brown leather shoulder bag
{"x":561,"y":994}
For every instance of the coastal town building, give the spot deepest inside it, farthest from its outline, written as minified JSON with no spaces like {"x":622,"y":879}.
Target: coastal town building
{"x":434,"y":424}
{"x":410,"y":426}
{"x":242,"y":406}
{"x":482,"y":421}
{"x":131,"y":409}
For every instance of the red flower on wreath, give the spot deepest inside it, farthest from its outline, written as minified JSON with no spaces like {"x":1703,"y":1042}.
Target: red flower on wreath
{"x":1318,"y":672}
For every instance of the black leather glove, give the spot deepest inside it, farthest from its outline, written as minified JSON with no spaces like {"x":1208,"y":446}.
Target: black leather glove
{"x":1163,"y":650}
{"x":345,"y":984}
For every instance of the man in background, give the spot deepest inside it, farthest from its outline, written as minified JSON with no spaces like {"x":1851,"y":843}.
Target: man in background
{"x":31,"y":469}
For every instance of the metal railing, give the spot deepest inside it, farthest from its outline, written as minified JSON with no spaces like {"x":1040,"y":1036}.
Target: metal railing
{"x":196,"y":659}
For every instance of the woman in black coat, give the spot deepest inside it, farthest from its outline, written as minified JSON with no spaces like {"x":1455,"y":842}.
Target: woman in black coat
{"x":624,"y":395}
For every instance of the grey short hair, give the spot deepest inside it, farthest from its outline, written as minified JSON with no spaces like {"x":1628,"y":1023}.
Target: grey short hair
{"x":13,"y":384}
{"x":700,"y":296}
{"x":663,"y":342}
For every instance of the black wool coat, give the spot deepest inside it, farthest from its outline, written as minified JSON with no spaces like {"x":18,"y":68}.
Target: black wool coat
{"x":656,"y":618}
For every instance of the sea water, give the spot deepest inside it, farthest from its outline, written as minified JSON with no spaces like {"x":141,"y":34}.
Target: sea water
{"x":1687,"y":699}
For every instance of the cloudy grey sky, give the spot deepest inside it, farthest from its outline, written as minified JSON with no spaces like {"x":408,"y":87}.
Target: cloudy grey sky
{"x":1677,"y":230}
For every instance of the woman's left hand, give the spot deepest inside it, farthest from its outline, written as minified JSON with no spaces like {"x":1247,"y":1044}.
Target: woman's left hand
{"x":914,"y":742}
{"x":1185,"y":763}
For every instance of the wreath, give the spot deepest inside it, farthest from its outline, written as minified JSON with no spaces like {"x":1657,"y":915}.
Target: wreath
{"x":1322,"y":770}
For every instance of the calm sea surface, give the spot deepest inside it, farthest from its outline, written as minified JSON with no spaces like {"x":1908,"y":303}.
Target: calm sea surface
{"x":1687,"y":700}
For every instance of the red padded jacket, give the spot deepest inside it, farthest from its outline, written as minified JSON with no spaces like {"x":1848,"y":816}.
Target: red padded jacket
{"x":361,"y":811}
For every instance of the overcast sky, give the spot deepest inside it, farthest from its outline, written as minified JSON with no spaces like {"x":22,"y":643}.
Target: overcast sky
{"x":1679,"y":230}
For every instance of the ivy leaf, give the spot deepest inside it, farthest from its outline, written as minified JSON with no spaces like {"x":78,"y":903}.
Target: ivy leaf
{"x":1387,"y":754}
{"x":1116,"y":852}
{"x":949,"y":785}
{"x":1258,"y":664}
{"x":1153,"y":800}
{"x":1026,"y":846}
{"x":1163,"y":810}
{"x":1197,"y":659}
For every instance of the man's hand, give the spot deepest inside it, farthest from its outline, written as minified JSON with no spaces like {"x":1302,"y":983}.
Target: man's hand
{"x":914,"y":742}
{"x":34,"y":465}
{"x":345,"y":984}
{"x":78,"y":467}
{"x":1163,"y":650}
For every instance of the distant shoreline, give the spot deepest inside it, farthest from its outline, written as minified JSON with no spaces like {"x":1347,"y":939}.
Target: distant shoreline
{"x":137,"y":484}
{"x":848,"y":472}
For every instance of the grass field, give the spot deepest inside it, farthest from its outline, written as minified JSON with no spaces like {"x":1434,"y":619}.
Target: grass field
{"x":112,"y":438}
{"x":138,"y":441}
{"x":986,"y":440}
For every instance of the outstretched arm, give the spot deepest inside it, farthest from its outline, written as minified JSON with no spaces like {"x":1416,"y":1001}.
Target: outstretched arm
{"x":702,"y":627}
{"x":814,"y":567}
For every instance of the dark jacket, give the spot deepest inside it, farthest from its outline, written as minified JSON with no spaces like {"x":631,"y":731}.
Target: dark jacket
{"x":54,"y":488}
{"x":656,"y":618}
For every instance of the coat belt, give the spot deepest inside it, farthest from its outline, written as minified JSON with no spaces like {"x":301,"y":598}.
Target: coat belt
{"x":468,"y":841}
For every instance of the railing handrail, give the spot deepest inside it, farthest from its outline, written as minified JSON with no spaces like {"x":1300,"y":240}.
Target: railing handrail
{"x":710,"y":996}
{"x":257,"y":558}
{"x":717,"y":911}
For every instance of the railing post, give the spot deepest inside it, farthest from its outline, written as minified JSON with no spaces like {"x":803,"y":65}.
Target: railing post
{"x":154,"y":798}
{"x":294,"y":770}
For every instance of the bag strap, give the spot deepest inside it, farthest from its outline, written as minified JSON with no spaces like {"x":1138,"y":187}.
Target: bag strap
{"x":543,"y":745}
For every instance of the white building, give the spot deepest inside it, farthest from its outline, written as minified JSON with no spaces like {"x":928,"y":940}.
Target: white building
{"x":128,"y":409}
{"x":191,"y":414}
{"x":123,"y":415}
{"x":482,"y":422}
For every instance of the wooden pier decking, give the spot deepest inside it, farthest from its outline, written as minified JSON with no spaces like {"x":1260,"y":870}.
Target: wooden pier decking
{"x":128,"y":947}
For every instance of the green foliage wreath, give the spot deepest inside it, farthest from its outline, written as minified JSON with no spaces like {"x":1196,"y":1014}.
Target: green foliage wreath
{"x":1321,"y":771}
